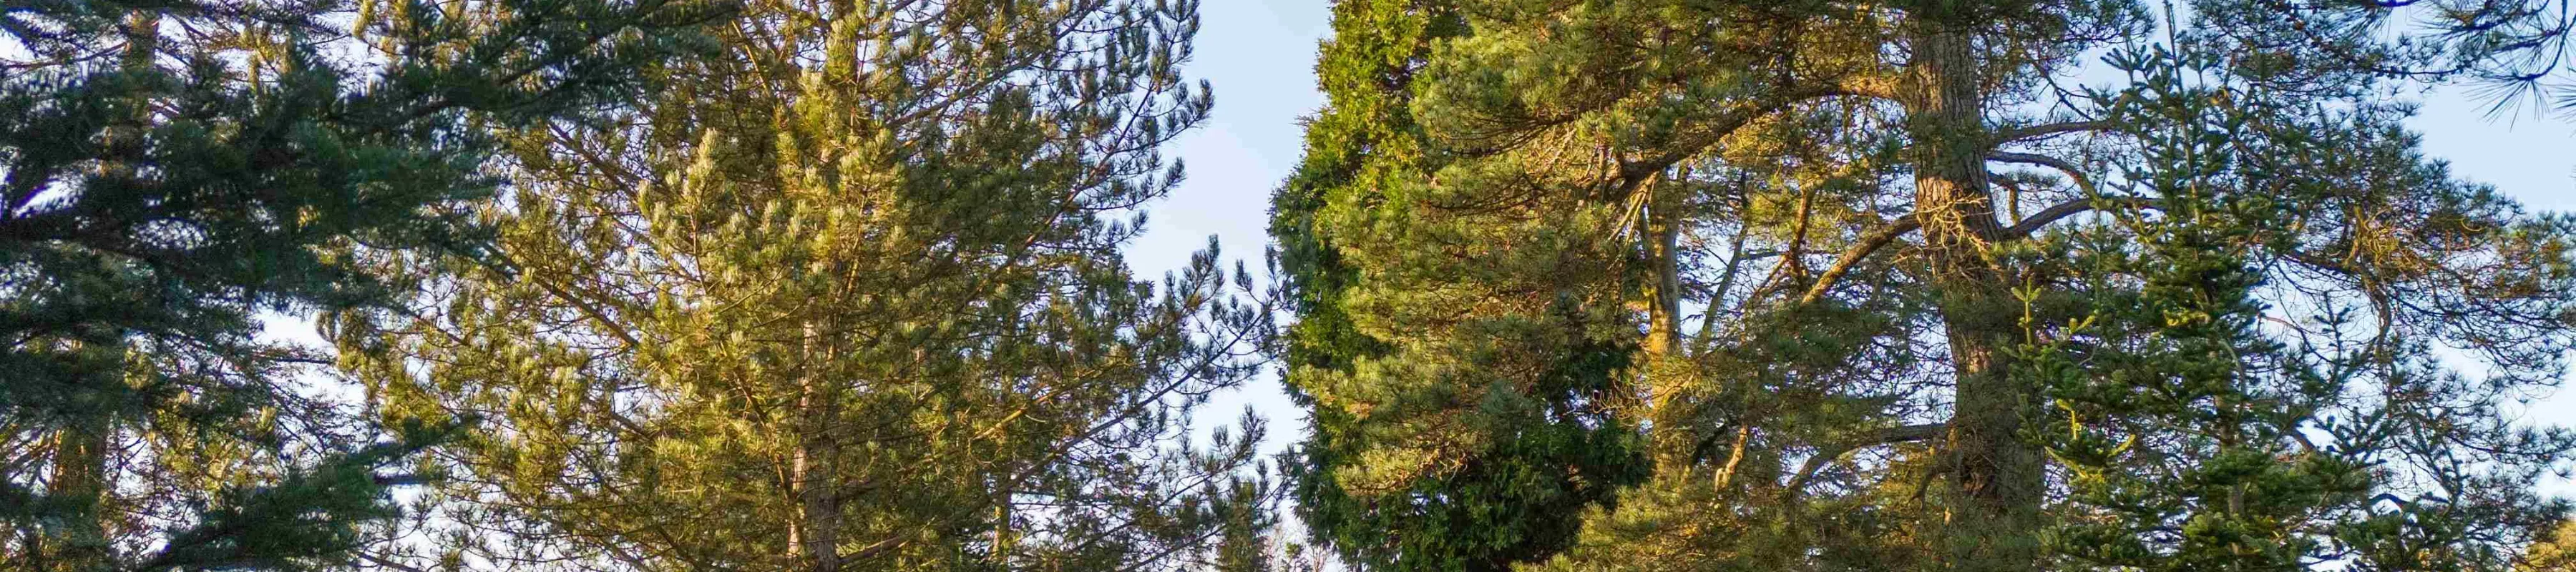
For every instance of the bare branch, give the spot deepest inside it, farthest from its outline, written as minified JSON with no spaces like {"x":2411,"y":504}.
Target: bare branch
{"x":384,"y":562}
{"x":1717,"y":294}
{"x":1869,"y":243}
{"x":2072,"y":172}
{"x":2046,"y":130}
{"x":2051,"y":214}
{"x":1889,"y":436}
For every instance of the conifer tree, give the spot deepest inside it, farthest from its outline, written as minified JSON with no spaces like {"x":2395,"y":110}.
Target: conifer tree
{"x":1546,"y":451}
{"x":847,"y":296}
{"x":1898,"y":285}
{"x":168,"y":170}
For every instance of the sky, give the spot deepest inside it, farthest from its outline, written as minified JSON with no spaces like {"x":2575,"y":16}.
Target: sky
{"x":1260,"y":55}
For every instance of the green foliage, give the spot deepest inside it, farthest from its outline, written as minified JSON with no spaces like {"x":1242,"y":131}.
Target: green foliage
{"x":1469,"y":449}
{"x":168,"y":170}
{"x":2372,"y":459}
{"x":1873,"y":287}
{"x":2550,"y":553}
{"x":847,"y":295}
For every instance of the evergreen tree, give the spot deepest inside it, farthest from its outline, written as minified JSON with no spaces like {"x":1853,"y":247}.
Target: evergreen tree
{"x":1872,"y":286}
{"x":1517,"y":441}
{"x":847,"y":296}
{"x":170,"y":169}
{"x":2288,"y":462}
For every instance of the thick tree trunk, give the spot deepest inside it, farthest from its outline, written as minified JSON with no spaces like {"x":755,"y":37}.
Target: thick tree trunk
{"x":1992,"y":511}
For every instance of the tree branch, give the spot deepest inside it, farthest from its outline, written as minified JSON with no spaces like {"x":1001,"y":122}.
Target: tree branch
{"x":1871,"y":86}
{"x":1717,"y":294}
{"x":2072,"y":173}
{"x":1888,"y":436}
{"x":382,"y":561}
{"x":2045,"y":130}
{"x":2051,"y":214}
{"x":1869,"y":243}
{"x":1634,"y":173}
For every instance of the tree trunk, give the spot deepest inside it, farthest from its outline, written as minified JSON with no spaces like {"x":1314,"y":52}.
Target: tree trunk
{"x":80,"y":476}
{"x":80,"y":484}
{"x":1659,"y":228}
{"x":1992,"y":515}
{"x":1662,"y":229}
{"x":815,"y":535}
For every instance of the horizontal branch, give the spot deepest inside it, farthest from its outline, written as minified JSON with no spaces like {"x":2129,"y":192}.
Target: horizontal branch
{"x":1889,"y":436}
{"x":2072,"y":172}
{"x":2045,"y":130}
{"x":2062,"y":210}
{"x":1871,"y":86}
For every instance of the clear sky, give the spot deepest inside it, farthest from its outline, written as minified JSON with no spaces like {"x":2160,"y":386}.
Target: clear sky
{"x":1260,"y":54}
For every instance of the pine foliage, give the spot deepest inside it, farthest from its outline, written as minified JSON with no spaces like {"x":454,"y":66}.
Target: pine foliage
{"x":847,"y":295}
{"x":2020,"y":285}
{"x":171,"y":170}
{"x":1455,"y":446}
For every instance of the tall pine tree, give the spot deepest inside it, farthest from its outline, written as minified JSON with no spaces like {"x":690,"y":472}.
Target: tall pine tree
{"x":1522,"y":435}
{"x":847,"y":296}
{"x":1891,"y":286}
{"x":170,"y":169}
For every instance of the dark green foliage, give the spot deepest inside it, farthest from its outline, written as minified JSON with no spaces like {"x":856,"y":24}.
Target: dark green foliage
{"x":301,"y":521}
{"x":1518,"y":500}
{"x":1547,"y":448}
{"x":2178,"y":370}
{"x":170,"y":170}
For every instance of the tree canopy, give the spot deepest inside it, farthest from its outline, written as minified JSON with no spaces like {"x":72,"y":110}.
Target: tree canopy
{"x":169,"y":171}
{"x":846,"y":295}
{"x":842,"y":285}
{"x":1946,"y":285}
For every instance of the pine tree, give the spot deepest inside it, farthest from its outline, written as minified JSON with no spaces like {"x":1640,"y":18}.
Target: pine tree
{"x":169,"y":170}
{"x":1513,"y":432}
{"x":847,"y":296}
{"x":1885,"y":286}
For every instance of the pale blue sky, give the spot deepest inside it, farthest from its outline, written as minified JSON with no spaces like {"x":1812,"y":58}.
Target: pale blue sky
{"x":1260,"y":54}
